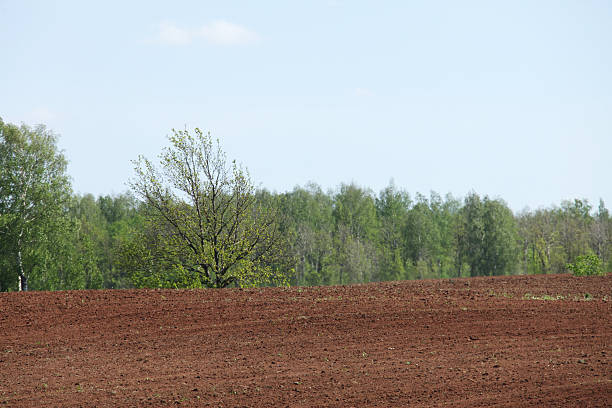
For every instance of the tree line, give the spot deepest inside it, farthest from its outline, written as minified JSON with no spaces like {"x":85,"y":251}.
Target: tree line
{"x":197,"y":221}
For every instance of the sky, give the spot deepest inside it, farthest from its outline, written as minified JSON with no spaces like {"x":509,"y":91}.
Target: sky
{"x":510,"y":99}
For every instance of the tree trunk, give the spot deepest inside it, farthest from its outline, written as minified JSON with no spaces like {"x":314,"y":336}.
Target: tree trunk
{"x":525,"y":257}
{"x":23,"y":280}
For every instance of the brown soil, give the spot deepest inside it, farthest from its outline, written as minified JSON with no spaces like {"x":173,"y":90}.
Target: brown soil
{"x":462,"y":343}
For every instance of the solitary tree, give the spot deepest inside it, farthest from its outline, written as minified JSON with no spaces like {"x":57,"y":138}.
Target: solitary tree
{"x":207,"y":225}
{"x":34,"y":196}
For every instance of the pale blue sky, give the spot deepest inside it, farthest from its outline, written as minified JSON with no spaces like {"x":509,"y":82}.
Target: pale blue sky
{"x":507,"y":98}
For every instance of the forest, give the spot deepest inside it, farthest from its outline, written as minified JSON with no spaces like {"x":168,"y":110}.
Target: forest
{"x":53,"y":239}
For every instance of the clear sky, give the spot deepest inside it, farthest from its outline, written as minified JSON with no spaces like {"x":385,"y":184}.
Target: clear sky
{"x":511,"y":99}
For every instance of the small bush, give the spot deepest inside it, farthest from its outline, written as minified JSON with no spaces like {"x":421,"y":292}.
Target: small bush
{"x":586,"y":265}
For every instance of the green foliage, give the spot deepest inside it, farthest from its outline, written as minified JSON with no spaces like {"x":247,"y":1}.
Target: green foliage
{"x":354,"y":209}
{"x":487,"y":237}
{"x":308,"y":226}
{"x":586,"y":265}
{"x":392,"y":208}
{"x":205,"y":226}
{"x":34,"y":197}
{"x":355,"y":234}
{"x":200,"y":223}
{"x":553,"y":237}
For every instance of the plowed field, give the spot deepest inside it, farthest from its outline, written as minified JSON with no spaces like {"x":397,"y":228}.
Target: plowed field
{"x":540,"y":341}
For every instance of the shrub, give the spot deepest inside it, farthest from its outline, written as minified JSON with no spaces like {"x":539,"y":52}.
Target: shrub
{"x":586,"y":265}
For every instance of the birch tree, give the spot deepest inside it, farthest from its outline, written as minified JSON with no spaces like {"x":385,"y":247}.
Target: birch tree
{"x":34,"y":196}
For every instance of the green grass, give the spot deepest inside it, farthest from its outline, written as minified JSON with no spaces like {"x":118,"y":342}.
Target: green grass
{"x":530,"y":296}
